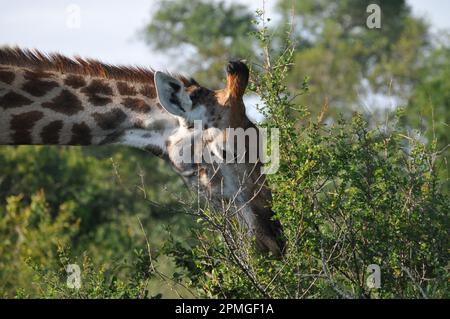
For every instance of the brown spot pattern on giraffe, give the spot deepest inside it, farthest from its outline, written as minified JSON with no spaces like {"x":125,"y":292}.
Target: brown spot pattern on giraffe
{"x":111,"y":138}
{"x":94,"y":91}
{"x":126,"y":89}
{"x":7,"y":77}
{"x":12,"y":100}
{"x":37,"y":75}
{"x":139,"y":124}
{"x":148,"y":91}
{"x":110,"y":120}
{"x":38,"y":87}
{"x":159,"y":125}
{"x":21,"y":125}
{"x":81,"y":134}
{"x":50,"y":132}
{"x":136,"y":105}
{"x":74,"y":81}
{"x":66,"y":103}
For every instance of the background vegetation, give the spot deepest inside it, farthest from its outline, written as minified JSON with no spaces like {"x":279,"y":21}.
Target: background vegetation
{"x":363,"y":179}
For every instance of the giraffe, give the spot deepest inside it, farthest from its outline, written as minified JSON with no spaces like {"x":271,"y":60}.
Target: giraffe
{"x":56,"y":100}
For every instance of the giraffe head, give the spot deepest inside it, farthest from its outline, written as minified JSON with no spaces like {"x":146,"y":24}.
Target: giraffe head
{"x":225,"y":168}
{"x":51,"y":99}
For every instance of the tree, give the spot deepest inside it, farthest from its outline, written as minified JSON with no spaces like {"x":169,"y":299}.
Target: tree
{"x":428,"y":109}
{"x":345,"y":60}
{"x":217,"y":32}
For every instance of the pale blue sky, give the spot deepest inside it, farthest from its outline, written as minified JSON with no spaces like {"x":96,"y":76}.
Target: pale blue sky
{"x":108,"y":28}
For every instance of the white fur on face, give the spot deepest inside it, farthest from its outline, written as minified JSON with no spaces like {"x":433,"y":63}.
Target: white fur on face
{"x":144,"y":139}
{"x":158,"y":127}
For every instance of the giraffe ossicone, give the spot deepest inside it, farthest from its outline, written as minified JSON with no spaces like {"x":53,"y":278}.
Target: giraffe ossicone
{"x":55,"y":100}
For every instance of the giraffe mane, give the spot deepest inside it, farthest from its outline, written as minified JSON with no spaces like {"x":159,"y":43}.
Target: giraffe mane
{"x":35,"y":59}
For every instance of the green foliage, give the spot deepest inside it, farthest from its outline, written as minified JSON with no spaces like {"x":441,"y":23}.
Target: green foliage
{"x":349,"y":195}
{"x":95,"y":281}
{"x":29,"y":232}
{"x":94,"y":203}
{"x":72,"y":174}
{"x":429,"y":104}
{"x":345,"y":60}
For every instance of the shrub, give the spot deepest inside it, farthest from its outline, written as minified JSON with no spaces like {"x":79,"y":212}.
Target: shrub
{"x":30,"y":233}
{"x":92,"y":206}
{"x":349,"y":194}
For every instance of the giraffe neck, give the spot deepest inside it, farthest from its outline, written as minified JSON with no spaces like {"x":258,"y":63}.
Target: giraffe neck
{"x":39,"y":106}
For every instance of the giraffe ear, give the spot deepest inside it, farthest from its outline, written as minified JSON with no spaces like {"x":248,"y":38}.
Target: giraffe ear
{"x":172,"y":94}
